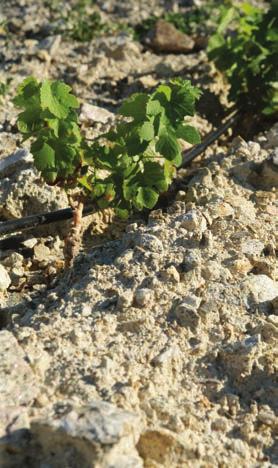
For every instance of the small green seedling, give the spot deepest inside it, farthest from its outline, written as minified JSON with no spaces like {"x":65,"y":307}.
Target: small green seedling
{"x":81,"y":22}
{"x":245,"y":48}
{"x":127,"y":167}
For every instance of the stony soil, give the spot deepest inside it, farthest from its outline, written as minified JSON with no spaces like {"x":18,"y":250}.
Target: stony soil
{"x":158,"y":348}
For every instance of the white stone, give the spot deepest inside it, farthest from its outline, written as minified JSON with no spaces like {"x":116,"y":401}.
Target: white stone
{"x":252,"y":247}
{"x":261,"y":288}
{"x":17,"y":380}
{"x":5,"y":279}
{"x":14,"y":161}
{"x":193,"y":221}
{"x":14,"y":260}
{"x":30,"y":243}
{"x":143,"y":296}
{"x":90,"y":113}
{"x":99,"y":434}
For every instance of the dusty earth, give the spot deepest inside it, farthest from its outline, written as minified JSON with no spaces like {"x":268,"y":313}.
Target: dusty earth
{"x":158,"y":348}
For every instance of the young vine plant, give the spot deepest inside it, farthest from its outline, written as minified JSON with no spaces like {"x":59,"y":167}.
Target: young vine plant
{"x":124,"y":168}
{"x":245,"y":48}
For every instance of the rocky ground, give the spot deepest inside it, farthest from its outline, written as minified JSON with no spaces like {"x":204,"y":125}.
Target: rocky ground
{"x":158,"y":348}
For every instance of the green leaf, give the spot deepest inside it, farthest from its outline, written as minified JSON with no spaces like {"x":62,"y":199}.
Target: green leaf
{"x":177,"y":160}
{"x":28,"y":94}
{"x":44,"y":155}
{"x":216,"y":41}
{"x":110,"y":192}
{"x":85,"y":182}
{"x":154,"y":108}
{"x":146,"y":198}
{"x":146,"y":131}
{"x":29,"y":121}
{"x":130,"y":185}
{"x":155,"y":176}
{"x":99,"y":189}
{"x":56,"y":97}
{"x":69,"y":131}
{"x":134,"y":144}
{"x":169,"y":171}
{"x":166,"y":90}
{"x":227,"y":18}
{"x":189,"y":134}
{"x":244,"y":50}
{"x":168,"y":146}
{"x":122,"y":213}
{"x":183,"y":99}
{"x":135,"y":107}
{"x":54,"y":125}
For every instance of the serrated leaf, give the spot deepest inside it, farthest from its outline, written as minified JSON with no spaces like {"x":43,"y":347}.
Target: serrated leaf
{"x":134,"y":145}
{"x":110,"y":192}
{"x":29,"y":121}
{"x":129,"y":189}
{"x":154,"y":108}
{"x":154,"y":175}
{"x":183,"y":99}
{"x":177,"y":160}
{"x":216,"y":41}
{"x":85,"y":182}
{"x":99,"y":189}
{"x":69,"y":131}
{"x":54,"y":125}
{"x":146,"y":197}
{"x":227,"y":18}
{"x":44,"y":156}
{"x":168,"y":146}
{"x":56,"y":97}
{"x":165,"y":90}
{"x":189,"y":134}
{"x":146,"y":131}
{"x":28,"y":94}
{"x":169,"y":171}
{"x":122,"y":213}
{"x":135,"y":107}
{"x":160,"y":124}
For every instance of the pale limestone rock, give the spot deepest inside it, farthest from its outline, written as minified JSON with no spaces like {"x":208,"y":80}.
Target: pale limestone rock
{"x":5,"y":279}
{"x":186,"y":313}
{"x":24,"y":194}
{"x":170,"y":274}
{"x":143,"y":297}
{"x":239,"y":357}
{"x":14,"y":435}
{"x":194,"y":221}
{"x":97,"y":435}
{"x":18,"y":385}
{"x":259,"y":290}
{"x":252,"y":247}
{"x":14,"y":260}
{"x":14,"y":162}
{"x":149,"y":242}
{"x":92,"y":114}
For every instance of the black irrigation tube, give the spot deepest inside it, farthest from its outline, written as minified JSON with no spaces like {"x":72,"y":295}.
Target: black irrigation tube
{"x":210,"y":138}
{"x":67,"y":213}
{"x":40,"y":220}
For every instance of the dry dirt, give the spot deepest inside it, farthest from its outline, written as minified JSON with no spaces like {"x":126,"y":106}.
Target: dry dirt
{"x":158,"y":348}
